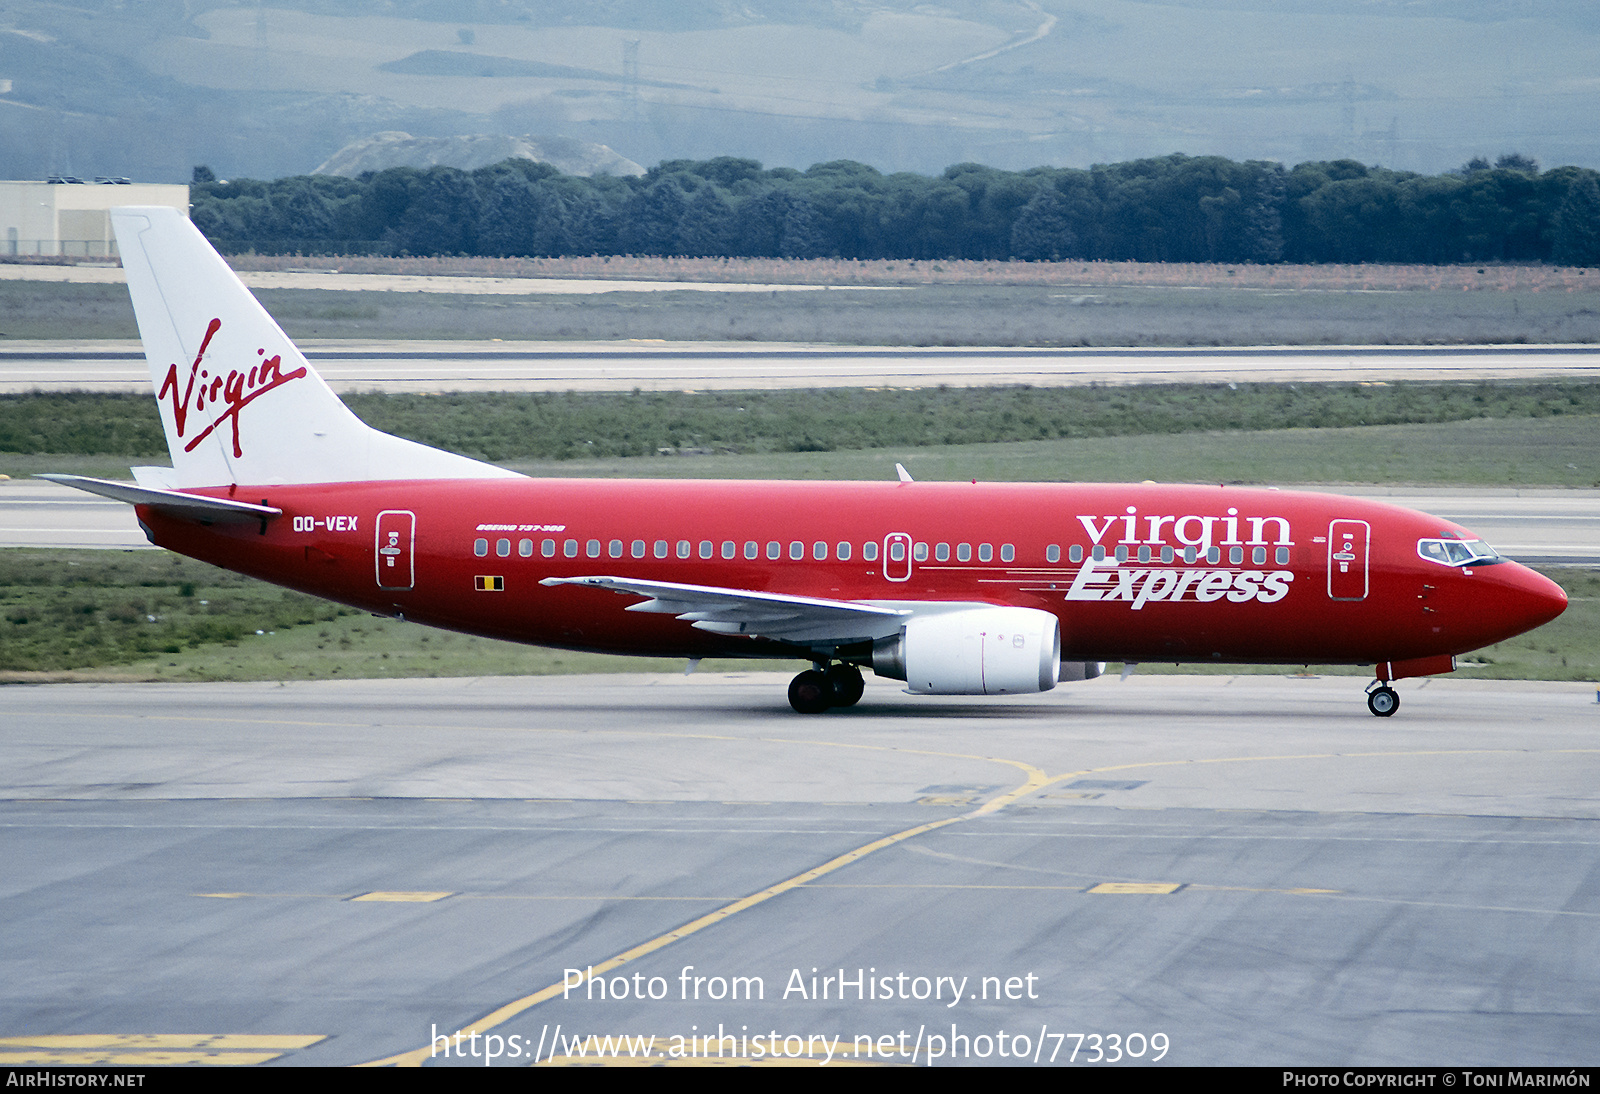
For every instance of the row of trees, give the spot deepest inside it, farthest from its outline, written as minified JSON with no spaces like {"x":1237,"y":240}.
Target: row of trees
{"x":1173,"y":209}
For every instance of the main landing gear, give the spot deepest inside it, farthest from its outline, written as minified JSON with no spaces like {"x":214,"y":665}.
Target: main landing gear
{"x":1382,"y":699}
{"x":824,"y":687}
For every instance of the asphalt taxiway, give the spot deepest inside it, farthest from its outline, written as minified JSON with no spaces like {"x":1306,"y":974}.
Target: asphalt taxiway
{"x":674,"y":366}
{"x":1241,"y":870}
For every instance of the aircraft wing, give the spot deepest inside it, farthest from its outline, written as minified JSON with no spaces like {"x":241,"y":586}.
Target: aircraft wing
{"x":191,"y":506}
{"x":741,"y":611}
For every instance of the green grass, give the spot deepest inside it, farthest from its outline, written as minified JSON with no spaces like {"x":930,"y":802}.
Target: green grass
{"x":1514,"y":432}
{"x":502,"y":427}
{"x":147,"y":615}
{"x":1526,"y":452}
{"x":1561,"y":451}
{"x":62,"y":610}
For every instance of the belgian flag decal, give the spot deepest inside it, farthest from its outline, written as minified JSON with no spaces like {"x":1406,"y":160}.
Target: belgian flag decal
{"x":489,"y":583}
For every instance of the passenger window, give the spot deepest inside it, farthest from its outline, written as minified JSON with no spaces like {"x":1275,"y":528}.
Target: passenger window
{"x":774,"y":549}
{"x":525,"y":548}
{"x":819,"y":551}
{"x":638,"y":548}
{"x":843,"y":551}
{"x":502,"y":547}
{"x":730,"y":549}
{"x":1259,"y":556}
{"x":1144,"y":553}
{"x":1283,"y":556}
{"x":941,"y":553}
{"x":1075,"y":553}
{"x":985,"y":552}
{"x":480,"y":547}
{"x":661,"y":548}
{"x":751,"y":549}
{"x":684,"y":548}
{"x":1189,"y":553}
{"x":548,"y":548}
{"x":869,"y":551}
{"x":615,"y":548}
{"x":897,"y":551}
{"x":1235,"y":555}
{"x":797,"y":550}
{"x":1052,"y":553}
{"x":592,"y":548}
{"x":1122,"y":552}
{"x":963,"y":552}
{"x":707,"y":549}
{"x":1213,"y":555}
{"x":1099,"y":553}
{"x":570,"y":548}
{"x":1008,"y":553}
{"x":920,"y":552}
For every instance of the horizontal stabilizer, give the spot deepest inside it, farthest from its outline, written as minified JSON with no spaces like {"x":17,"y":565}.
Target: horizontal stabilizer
{"x":192,"y":506}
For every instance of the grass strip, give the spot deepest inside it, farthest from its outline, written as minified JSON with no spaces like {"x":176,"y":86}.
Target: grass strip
{"x":1560,"y":450}
{"x":507,"y":427}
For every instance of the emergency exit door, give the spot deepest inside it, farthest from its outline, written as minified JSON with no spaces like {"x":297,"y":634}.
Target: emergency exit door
{"x":1349,"y":542}
{"x":897,"y":556}
{"x":397,"y":534}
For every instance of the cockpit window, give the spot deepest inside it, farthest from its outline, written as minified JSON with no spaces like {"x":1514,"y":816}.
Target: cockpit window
{"x":1457,"y":552}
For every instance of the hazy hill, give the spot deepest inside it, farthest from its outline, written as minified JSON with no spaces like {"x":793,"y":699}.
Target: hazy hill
{"x":382,"y":151}
{"x":150,"y":88}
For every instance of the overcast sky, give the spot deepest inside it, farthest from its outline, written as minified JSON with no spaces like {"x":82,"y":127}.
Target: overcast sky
{"x":150,"y":89}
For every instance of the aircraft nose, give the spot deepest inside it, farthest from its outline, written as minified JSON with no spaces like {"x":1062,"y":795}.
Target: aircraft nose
{"x":1532,"y":600}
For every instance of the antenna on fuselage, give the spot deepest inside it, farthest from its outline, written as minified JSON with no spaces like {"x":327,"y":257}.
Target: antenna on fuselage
{"x":900,"y":469}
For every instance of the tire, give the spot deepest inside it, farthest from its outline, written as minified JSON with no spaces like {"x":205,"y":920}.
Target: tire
{"x":846,"y":685}
{"x":810,"y":693}
{"x":1383,"y":702}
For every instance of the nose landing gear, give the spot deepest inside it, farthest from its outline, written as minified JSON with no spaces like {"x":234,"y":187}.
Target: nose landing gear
{"x":823,"y":687}
{"x":1382,"y":699}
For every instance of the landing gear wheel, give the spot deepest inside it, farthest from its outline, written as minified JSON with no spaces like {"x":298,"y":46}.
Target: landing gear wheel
{"x":810,"y":692}
{"x":1383,"y":701}
{"x":846,"y":684}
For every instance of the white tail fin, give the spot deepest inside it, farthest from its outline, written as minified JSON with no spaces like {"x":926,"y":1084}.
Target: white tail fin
{"x":239,"y":402}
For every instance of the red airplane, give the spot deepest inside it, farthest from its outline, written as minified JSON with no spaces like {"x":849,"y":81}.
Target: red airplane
{"x":954,"y":588}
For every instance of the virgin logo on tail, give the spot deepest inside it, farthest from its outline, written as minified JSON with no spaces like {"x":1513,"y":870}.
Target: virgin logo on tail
{"x":234,"y":391}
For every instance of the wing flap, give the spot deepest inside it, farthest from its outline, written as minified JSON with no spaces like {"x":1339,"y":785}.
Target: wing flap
{"x":744,"y":611}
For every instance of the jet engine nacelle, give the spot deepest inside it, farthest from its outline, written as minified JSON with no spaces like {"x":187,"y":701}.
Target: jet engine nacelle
{"x":978,"y":651}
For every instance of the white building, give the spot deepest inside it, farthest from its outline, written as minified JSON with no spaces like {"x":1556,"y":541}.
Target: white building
{"x":71,"y":217}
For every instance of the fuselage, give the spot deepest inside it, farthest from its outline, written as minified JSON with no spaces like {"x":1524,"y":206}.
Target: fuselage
{"x":1132,"y":572}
